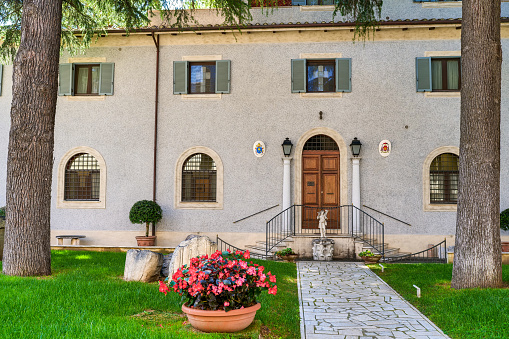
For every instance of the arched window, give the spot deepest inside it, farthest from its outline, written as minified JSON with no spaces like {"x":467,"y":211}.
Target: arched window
{"x":443,"y":179}
{"x":199,"y":178}
{"x":321,"y":142}
{"x":82,"y":178}
{"x":440,"y":180}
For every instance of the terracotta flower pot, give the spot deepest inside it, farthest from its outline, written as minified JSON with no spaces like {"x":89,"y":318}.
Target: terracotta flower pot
{"x":372,"y":259}
{"x":146,"y":241}
{"x":221,"y":321}
{"x":289,"y":257}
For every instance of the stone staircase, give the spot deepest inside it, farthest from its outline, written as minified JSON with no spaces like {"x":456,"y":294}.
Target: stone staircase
{"x":260,"y":247}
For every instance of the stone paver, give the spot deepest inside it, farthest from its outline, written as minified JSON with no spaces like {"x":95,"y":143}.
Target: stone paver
{"x":346,"y":300}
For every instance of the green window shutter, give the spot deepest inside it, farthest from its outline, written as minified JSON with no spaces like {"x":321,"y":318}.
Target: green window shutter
{"x":223,"y":76}
{"x":344,"y":75}
{"x":1,"y":73}
{"x":298,"y":75}
{"x":106,"y":74}
{"x":298,"y":2}
{"x":423,"y":74}
{"x":66,"y":79}
{"x":180,"y":70}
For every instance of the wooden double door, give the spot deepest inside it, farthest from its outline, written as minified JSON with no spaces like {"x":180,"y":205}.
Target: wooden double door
{"x":320,"y":187}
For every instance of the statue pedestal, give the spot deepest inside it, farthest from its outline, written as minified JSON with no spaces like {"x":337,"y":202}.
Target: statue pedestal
{"x":323,"y":249}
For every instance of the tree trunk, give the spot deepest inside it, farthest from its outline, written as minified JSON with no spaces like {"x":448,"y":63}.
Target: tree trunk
{"x":477,"y":258}
{"x":31,"y":138}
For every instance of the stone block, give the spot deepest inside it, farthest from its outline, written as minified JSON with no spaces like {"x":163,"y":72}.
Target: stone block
{"x":193,"y":246}
{"x":165,"y":270}
{"x":142,"y":265}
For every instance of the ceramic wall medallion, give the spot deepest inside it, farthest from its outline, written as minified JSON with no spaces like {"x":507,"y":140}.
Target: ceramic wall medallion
{"x":259,"y":148}
{"x":385,"y":148}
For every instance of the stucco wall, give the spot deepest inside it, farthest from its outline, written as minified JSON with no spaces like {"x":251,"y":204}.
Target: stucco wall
{"x":383,"y":104}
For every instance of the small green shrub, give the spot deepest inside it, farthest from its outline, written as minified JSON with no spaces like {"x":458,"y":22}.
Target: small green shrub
{"x":2,"y":212}
{"x":145,"y":211}
{"x":504,"y":220}
{"x":286,"y":251}
{"x":367,"y":253}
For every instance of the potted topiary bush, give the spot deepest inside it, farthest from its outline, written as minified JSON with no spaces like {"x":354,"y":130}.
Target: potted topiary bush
{"x":504,"y":224}
{"x":145,"y":211}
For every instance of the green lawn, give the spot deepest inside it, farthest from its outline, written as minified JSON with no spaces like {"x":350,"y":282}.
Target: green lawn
{"x":87,"y":298}
{"x":473,"y":313}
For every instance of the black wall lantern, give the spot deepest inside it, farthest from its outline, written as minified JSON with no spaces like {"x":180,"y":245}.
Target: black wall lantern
{"x":356,"y":147}
{"x":287,"y":147}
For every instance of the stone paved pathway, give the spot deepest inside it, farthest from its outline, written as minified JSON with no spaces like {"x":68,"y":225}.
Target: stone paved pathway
{"x":346,"y":300}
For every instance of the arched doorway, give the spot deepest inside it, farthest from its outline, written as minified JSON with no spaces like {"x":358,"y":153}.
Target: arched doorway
{"x":321,"y":180}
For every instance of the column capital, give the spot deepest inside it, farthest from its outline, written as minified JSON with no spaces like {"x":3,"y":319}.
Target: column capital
{"x":287,"y":159}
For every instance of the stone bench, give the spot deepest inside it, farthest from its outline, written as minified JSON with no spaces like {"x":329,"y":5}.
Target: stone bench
{"x":75,"y":239}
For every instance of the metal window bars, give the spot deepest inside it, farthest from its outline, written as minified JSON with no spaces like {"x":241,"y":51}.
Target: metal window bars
{"x":82,"y":178}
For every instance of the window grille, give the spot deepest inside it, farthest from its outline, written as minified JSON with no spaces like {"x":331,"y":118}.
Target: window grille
{"x":82,"y":178}
{"x":444,"y":177}
{"x":321,"y":142}
{"x":199,"y":176}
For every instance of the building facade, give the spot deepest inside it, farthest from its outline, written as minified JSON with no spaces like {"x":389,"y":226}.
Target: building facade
{"x":294,"y":73}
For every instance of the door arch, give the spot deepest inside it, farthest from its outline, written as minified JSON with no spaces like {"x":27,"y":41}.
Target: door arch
{"x":343,"y":168}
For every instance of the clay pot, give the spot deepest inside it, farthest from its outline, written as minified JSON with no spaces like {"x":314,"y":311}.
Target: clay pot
{"x":371,"y":260}
{"x":289,"y":257}
{"x":221,"y":321}
{"x":505,"y":246}
{"x":146,"y":241}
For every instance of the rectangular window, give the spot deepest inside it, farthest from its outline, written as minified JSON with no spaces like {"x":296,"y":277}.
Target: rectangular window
{"x":86,"y":79}
{"x":203,"y":77}
{"x":312,"y":2}
{"x":445,"y":74}
{"x":438,"y":74}
{"x":320,"y":76}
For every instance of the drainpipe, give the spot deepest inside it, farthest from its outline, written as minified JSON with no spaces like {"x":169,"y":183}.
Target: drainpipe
{"x":156,"y":109}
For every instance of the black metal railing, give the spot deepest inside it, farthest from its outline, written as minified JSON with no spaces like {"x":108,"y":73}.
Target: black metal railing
{"x":224,"y":246}
{"x":434,"y":254}
{"x":346,"y":220}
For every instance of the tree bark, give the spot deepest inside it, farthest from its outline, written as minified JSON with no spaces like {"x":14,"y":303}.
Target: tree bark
{"x":477,"y":258}
{"x":30,"y":159}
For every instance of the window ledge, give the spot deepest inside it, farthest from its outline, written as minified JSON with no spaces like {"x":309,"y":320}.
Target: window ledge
{"x":199,"y":205}
{"x":80,"y":204}
{"x":317,"y":8}
{"x":86,"y":97}
{"x":200,"y":96}
{"x":442,"y":94}
{"x":441,"y":4}
{"x":440,"y":207}
{"x":322,"y":95}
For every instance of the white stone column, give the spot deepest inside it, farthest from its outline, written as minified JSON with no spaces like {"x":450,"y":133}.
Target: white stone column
{"x":356,"y":192}
{"x":287,"y":200}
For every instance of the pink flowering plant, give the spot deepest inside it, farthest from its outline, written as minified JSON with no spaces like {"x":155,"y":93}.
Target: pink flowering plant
{"x":223,"y":281}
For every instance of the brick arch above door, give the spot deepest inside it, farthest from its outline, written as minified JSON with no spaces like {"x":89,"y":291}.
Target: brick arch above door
{"x":343,"y":159}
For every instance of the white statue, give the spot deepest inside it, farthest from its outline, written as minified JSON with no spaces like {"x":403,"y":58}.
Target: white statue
{"x":322,"y":216}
